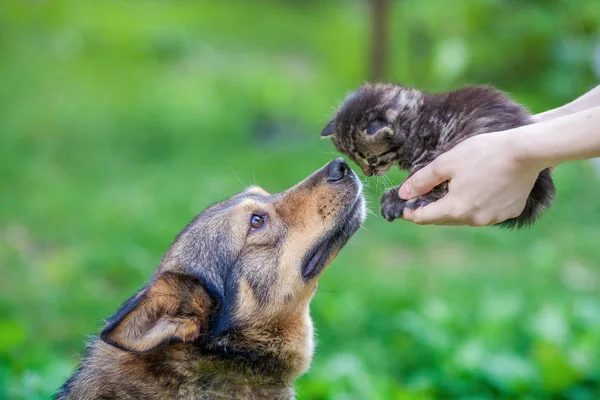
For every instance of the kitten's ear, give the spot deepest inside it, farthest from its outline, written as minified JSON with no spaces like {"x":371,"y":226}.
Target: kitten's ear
{"x":173,"y":307}
{"x":329,"y":129}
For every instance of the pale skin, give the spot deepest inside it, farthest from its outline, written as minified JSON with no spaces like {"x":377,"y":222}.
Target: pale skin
{"x":490,"y":176}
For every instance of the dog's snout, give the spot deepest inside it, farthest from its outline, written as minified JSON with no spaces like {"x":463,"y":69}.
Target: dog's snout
{"x":337,"y":170}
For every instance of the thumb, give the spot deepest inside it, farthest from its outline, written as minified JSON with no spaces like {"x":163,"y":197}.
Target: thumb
{"x":422,"y":182}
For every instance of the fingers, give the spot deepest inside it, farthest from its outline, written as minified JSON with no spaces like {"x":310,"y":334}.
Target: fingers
{"x":422,"y":181}
{"x":445,"y":212}
{"x":439,"y":213}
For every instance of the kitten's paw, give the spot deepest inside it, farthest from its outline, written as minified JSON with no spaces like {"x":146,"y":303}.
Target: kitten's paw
{"x":417,"y":202}
{"x":392,"y":206}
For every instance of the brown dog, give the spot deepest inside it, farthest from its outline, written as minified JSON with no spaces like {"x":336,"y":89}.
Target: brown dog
{"x":226,"y":314}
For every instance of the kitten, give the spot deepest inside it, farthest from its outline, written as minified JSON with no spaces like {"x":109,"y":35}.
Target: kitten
{"x":380,"y":125}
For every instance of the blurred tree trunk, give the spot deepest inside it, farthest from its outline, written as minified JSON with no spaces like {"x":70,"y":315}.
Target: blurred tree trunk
{"x":379,"y":39}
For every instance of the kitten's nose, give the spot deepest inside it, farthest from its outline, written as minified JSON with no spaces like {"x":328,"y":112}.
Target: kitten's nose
{"x":337,"y":170}
{"x":366,"y":170}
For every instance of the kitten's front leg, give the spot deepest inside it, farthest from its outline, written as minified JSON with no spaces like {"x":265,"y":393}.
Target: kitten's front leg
{"x":392,"y":206}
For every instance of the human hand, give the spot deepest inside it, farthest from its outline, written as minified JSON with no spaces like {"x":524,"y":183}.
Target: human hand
{"x":490,"y":178}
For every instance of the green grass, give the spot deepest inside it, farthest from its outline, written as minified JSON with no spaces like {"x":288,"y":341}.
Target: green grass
{"x":120,"y":121}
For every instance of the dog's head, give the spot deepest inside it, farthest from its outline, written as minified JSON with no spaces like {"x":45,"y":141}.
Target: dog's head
{"x":238,"y":279}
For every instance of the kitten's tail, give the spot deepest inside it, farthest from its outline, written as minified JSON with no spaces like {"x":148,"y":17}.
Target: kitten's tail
{"x":539,"y":200}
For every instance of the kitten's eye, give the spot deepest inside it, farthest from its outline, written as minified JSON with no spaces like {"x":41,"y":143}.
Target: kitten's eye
{"x":257,"y":221}
{"x":375,"y":126}
{"x":372,"y":160}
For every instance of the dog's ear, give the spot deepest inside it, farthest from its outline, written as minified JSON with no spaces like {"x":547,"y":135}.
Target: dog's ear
{"x":329,"y":129}
{"x":173,"y":307}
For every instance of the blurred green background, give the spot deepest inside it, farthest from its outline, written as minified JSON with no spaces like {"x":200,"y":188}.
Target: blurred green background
{"x":121,"y":120}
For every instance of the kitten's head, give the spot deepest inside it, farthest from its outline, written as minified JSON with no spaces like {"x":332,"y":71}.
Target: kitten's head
{"x":372,"y":124}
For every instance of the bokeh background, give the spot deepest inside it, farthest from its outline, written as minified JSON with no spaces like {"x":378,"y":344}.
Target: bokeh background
{"x":121,"y":120}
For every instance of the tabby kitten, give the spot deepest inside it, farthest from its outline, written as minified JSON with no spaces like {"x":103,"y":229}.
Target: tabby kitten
{"x":380,"y":125}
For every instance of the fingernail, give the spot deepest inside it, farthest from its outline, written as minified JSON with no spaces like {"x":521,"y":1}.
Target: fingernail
{"x":404,"y":192}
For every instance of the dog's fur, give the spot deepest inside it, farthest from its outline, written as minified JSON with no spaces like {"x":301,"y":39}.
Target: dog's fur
{"x":226,"y":314}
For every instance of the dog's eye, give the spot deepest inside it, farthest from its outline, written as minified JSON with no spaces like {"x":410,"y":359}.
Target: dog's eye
{"x":376,"y":126}
{"x":257,"y":221}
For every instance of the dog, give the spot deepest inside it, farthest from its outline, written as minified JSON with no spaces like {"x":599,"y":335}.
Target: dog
{"x":226,"y":313}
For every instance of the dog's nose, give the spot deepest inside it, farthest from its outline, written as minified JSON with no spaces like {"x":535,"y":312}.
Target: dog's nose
{"x":337,"y":170}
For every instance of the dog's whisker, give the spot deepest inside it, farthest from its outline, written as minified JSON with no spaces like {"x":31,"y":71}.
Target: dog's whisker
{"x":237,"y":177}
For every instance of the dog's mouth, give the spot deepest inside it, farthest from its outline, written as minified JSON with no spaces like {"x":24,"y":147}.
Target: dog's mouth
{"x":334,"y":241}
{"x":317,"y":259}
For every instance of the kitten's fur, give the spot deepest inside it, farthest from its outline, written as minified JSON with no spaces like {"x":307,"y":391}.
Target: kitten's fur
{"x":383,"y":124}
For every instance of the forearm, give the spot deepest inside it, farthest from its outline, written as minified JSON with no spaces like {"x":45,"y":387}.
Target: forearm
{"x":571,"y":137}
{"x":588,"y":100}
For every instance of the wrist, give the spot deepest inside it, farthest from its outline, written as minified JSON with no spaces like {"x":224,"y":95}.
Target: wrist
{"x":523,"y":143}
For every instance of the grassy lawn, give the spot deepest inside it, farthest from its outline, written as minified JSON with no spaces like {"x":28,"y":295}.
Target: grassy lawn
{"x":120,"y":121}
